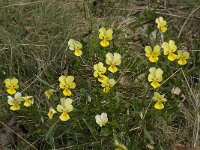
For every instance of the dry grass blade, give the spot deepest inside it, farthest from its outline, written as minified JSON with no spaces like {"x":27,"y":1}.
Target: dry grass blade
{"x":74,"y":146}
{"x":196,"y":107}
{"x":187,"y":20}
{"x":19,"y":136}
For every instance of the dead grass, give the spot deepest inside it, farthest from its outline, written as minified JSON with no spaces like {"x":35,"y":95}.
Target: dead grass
{"x":33,"y":35}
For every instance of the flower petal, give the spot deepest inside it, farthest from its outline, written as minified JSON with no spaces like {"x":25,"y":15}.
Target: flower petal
{"x":102,"y":33}
{"x":60,"y":108}
{"x":51,"y":113}
{"x":155,"y":84}
{"x":148,"y":51}
{"x":69,"y":79}
{"x":62,"y":79}
{"x":117,"y":59}
{"x":14,"y":81}
{"x":111,"y":82}
{"x":159,"y":105}
{"x":156,"y":50}
{"x":15,"y":107}
{"x":172,"y":56}
{"x":11,"y":101}
{"x":113,"y":69}
{"x":104,"y":117}
{"x":11,"y":91}
{"x":109,"y":33}
{"x":67,"y":92}
{"x":98,"y":119}
{"x":186,"y":55}
{"x":64,"y":116}
{"x":104,"y":43}
{"x":71,"y":44}
{"x":78,"y":52}
{"x":68,"y":105}
{"x":182,"y":61}
{"x":109,"y":58}
{"x":153,"y":58}
{"x":18,"y":97}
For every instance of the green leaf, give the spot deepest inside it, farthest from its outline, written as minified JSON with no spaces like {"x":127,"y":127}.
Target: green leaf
{"x":105,"y":132}
{"x":148,"y":136}
{"x":49,"y":137}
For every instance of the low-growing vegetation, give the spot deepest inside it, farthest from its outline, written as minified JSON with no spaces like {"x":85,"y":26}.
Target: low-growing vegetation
{"x":120,"y":75}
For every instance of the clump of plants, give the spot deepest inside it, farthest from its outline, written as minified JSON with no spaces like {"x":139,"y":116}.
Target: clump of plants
{"x":95,"y":100}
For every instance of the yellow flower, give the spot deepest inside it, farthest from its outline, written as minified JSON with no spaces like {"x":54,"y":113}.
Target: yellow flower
{"x":159,"y":99}
{"x":113,"y":61}
{"x":49,"y":93}
{"x":11,"y":85}
{"x":67,"y":83}
{"x":51,"y":113}
{"x":161,"y":24}
{"x":75,"y":46}
{"x":28,"y":100}
{"x":102,"y":78}
{"x":15,"y":102}
{"x":99,"y":70}
{"x":155,"y":76}
{"x":105,"y":36}
{"x":120,"y":146}
{"x":107,"y":83}
{"x":152,"y":54}
{"x":65,"y":108}
{"x":183,"y":56}
{"x":102,"y":119}
{"x":169,"y":49}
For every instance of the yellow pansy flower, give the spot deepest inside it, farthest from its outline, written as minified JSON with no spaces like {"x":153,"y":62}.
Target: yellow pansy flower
{"x":28,"y":101}
{"x":113,"y":60}
{"x":11,"y":85}
{"x":15,"y":102}
{"x":169,"y":49}
{"x":51,"y":113}
{"x":102,"y":119}
{"x":49,"y":93}
{"x":99,"y":70}
{"x":75,"y":46}
{"x":155,"y":76}
{"x":182,"y":57}
{"x":105,"y":36}
{"x":67,"y":83}
{"x":101,"y":78}
{"x":65,"y":108}
{"x":159,"y":99}
{"x":152,"y":54}
{"x":161,"y":24}
{"x":107,"y":83}
{"x":120,"y":146}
